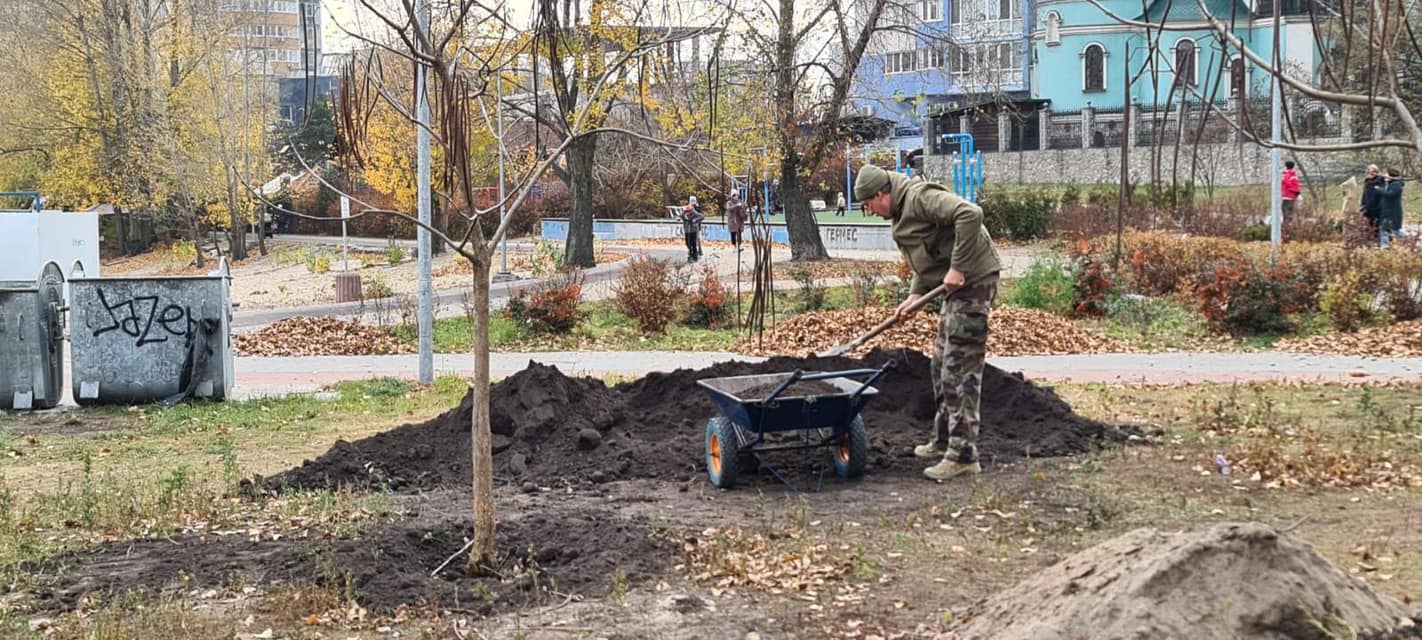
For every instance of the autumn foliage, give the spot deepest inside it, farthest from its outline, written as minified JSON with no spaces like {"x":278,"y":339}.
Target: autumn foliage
{"x":552,"y":306}
{"x":648,"y":293}
{"x":706,"y":304}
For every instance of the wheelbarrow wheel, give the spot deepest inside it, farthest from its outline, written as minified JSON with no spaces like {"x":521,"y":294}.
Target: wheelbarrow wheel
{"x":851,"y":454}
{"x":722,"y":452}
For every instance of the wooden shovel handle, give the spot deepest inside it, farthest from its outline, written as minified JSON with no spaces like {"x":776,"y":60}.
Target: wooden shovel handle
{"x":894,"y":318}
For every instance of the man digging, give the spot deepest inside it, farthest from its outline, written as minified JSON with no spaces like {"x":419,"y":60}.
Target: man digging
{"x":943,"y":239}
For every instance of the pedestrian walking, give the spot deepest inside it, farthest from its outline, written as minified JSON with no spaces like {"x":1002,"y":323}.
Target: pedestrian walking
{"x":691,"y":218}
{"x":1389,"y":207}
{"x":1369,"y":205}
{"x":735,"y":217}
{"x":943,"y":238}
{"x":840,"y":204}
{"x":1289,"y":189}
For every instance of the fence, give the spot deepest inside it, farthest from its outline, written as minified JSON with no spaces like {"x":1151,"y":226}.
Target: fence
{"x":1195,"y":123}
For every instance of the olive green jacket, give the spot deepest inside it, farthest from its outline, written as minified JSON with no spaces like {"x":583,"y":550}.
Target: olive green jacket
{"x":936,"y":230}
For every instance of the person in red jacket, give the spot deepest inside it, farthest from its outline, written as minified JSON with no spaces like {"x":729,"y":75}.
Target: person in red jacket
{"x":1289,"y":188}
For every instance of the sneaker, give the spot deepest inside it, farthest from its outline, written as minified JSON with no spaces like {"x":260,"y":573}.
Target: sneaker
{"x":949,"y":469}
{"x":929,"y":451}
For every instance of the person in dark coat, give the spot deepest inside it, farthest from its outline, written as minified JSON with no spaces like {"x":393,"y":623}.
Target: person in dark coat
{"x":735,"y":217}
{"x":1369,"y":205}
{"x":1389,"y":207}
{"x":691,"y":218}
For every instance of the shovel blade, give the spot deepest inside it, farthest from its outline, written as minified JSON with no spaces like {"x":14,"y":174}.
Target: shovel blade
{"x":833,"y":351}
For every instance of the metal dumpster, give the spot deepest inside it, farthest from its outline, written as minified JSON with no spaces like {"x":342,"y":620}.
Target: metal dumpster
{"x":140,"y":340}
{"x":32,"y":341}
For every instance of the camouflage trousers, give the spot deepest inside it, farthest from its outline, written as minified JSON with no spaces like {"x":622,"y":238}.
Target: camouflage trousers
{"x":958,"y":355}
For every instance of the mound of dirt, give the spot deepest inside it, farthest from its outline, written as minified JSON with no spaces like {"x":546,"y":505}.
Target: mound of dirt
{"x":550,"y":428}
{"x":1229,"y":581}
{"x":576,"y":551}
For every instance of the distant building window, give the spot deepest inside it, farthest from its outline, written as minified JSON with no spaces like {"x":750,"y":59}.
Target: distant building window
{"x":931,"y":58}
{"x":956,"y":10}
{"x":1054,"y":28}
{"x":1093,"y":68}
{"x":1185,"y":56}
{"x":900,"y":62}
{"x":1238,"y":79}
{"x":930,"y":10}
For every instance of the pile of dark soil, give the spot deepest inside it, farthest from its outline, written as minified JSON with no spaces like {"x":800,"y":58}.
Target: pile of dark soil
{"x":800,"y":388}
{"x":550,"y":428}
{"x":577,"y":551}
{"x":1228,"y":581}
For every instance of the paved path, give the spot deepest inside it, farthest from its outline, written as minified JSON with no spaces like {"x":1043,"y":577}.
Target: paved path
{"x":274,"y":376}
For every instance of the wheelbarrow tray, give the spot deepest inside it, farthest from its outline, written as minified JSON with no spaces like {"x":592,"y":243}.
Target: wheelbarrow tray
{"x":787,"y":412}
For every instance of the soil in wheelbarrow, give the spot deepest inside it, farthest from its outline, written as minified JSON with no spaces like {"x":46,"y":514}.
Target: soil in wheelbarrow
{"x":551,"y":429}
{"x":801,"y":388}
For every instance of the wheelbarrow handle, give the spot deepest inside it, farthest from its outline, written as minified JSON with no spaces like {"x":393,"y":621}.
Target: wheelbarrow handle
{"x":877,"y":373}
{"x":794,"y":377}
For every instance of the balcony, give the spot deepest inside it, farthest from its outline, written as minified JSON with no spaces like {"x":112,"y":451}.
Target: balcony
{"x":980,"y":30}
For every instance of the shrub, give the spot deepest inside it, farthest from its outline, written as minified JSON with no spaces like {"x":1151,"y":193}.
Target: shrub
{"x":318,"y":262}
{"x":1071,"y":195}
{"x":1093,"y":284}
{"x":1312,"y":226}
{"x":1397,"y":280}
{"x":1048,"y":285}
{"x":180,"y":256}
{"x":707,"y":303}
{"x":1346,"y":304}
{"x":547,"y":257}
{"x":1163,"y":264}
{"x":550,"y":307}
{"x":393,"y":253}
{"x":647,"y":293}
{"x":1019,"y":215}
{"x":812,"y":291}
{"x":375,"y":287}
{"x":1240,"y":297}
{"x":864,"y":282}
{"x":1257,"y":232}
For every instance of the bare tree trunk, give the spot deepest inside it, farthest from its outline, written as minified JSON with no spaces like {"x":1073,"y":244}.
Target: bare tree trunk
{"x":578,"y":251}
{"x":237,"y":246}
{"x":805,"y":243}
{"x":195,"y":227}
{"x":480,"y":438}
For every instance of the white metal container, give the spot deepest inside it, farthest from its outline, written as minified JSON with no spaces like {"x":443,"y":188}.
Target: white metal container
{"x":29,"y":240}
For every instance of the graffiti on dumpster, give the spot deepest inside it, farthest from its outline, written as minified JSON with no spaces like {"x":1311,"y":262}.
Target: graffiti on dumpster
{"x":136,"y":317}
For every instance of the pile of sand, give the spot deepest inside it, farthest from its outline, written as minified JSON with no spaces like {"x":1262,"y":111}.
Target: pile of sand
{"x":1230,"y":581}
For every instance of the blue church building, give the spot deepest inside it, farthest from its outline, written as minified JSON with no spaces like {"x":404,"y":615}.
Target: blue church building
{"x":1083,"y":54}
{"x":1009,"y":71}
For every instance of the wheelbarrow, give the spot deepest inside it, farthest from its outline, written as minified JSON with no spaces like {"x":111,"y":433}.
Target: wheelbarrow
{"x":827,"y":420}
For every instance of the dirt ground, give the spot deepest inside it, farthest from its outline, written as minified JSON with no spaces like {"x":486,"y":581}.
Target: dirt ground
{"x":888,"y":556}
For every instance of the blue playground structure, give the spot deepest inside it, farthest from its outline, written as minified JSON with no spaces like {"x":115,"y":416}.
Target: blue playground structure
{"x":965,"y":166}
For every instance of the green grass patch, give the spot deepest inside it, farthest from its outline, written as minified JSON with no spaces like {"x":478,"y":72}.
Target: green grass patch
{"x":1048,"y":285}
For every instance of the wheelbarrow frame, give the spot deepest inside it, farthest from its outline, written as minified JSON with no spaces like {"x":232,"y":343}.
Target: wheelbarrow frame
{"x":747,"y":421}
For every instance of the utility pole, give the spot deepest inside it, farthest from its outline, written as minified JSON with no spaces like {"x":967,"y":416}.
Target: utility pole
{"x":424,"y":246}
{"x":1276,"y":198}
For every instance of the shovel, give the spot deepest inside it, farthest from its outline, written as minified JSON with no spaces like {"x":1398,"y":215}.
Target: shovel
{"x":891,"y":321}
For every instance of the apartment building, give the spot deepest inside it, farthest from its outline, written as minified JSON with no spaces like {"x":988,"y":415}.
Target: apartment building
{"x":274,"y":38}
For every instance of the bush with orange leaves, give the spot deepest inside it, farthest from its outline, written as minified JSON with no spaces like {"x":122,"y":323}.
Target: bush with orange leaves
{"x":707,"y":302}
